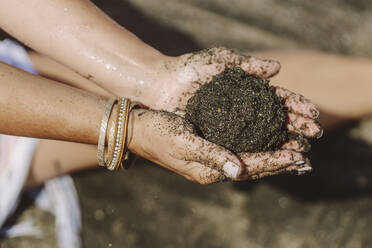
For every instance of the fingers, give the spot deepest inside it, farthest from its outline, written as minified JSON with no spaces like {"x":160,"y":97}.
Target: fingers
{"x":263,"y":68}
{"x":304,"y":126}
{"x":180,"y":146}
{"x":297,"y":145}
{"x":205,"y":64}
{"x":302,"y":114}
{"x":213,"y":156}
{"x":203,"y":175}
{"x":263,"y":164}
{"x":297,"y":103}
{"x":258,"y":161}
{"x":260,"y":67}
{"x":257,"y":165}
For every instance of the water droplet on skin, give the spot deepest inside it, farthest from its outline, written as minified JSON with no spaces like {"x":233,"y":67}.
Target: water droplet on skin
{"x":141,"y":82}
{"x":130,"y":78}
{"x":114,"y":68}
{"x":65,"y":9}
{"x":98,"y":60}
{"x":108,"y":66}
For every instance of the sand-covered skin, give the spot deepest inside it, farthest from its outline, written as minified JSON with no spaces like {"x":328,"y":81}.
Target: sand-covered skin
{"x":238,"y":111}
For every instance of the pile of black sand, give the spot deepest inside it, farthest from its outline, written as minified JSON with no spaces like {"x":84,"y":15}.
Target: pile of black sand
{"x":239,"y":112}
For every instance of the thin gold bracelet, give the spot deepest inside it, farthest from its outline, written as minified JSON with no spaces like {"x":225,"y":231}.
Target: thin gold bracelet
{"x":124,"y":137}
{"x":119,"y":138}
{"x":111,"y":140}
{"x":126,"y":150}
{"x":117,"y":151}
{"x":103,"y":131}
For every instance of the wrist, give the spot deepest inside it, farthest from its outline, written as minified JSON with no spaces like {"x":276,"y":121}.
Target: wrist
{"x":135,"y":131}
{"x":133,"y":128}
{"x":111,"y":124}
{"x":148,"y":57}
{"x":117,"y":134}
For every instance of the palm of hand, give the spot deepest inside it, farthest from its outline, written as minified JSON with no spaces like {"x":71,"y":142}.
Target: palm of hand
{"x":182,"y":76}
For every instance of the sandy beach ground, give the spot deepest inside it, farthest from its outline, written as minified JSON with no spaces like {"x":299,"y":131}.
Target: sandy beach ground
{"x":148,"y":206}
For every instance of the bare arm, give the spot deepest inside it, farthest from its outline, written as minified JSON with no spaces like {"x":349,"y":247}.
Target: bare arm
{"x":80,"y":36}
{"x":36,"y":107}
{"x":51,"y":69}
{"x":33,"y":106}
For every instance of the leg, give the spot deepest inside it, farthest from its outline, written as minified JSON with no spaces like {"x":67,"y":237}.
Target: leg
{"x":56,"y":158}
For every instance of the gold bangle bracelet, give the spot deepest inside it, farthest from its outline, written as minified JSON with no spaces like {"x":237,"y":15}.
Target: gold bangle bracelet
{"x":126,"y":150}
{"x":111,"y":139}
{"x":118,"y":148}
{"x":123,"y":147}
{"x":117,"y":151}
{"x":103,"y":130}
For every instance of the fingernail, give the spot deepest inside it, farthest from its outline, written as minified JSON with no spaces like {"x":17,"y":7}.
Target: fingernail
{"x":303,"y":170}
{"x":306,"y":146}
{"x":231,"y":170}
{"x":316,"y":113}
{"x":319,"y":134}
{"x":299,"y":162}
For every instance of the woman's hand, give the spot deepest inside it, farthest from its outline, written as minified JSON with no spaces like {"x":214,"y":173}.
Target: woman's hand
{"x":179,"y":78}
{"x":167,"y":139}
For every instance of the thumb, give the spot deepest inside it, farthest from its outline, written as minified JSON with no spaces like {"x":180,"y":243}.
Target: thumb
{"x":214,"y":156}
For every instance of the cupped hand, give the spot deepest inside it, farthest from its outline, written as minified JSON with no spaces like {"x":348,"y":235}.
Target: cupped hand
{"x":180,"y":77}
{"x":172,"y":81}
{"x":168,"y":140}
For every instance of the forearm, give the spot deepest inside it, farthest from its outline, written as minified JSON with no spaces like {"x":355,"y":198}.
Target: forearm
{"x":77,"y":34}
{"x":36,"y":107}
{"x":53,"y":70}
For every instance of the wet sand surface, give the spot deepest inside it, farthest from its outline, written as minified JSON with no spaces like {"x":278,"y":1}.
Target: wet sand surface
{"x":148,"y":206}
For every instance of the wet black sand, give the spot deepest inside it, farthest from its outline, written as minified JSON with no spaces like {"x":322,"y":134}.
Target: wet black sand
{"x":239,"y":112}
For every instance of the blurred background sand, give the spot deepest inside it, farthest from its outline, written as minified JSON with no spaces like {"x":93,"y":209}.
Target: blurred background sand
{"x":148,"y":206}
